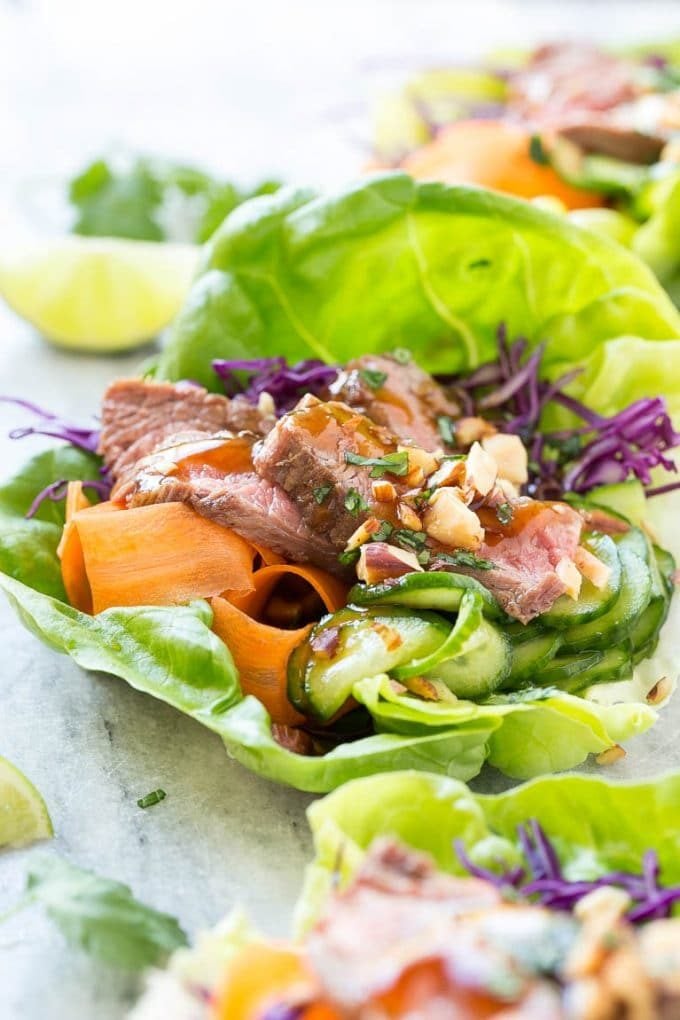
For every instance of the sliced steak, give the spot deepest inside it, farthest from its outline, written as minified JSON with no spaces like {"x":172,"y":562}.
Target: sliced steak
{"x":306,"y":454}
{"x":399,"y":913}
{"x":607,"y":139}
{"x":525,"y":553}
{"x":214,"y":476}
{"x":137,"y":415}
{"x":564,"y":81}
{"x":403,"y":398}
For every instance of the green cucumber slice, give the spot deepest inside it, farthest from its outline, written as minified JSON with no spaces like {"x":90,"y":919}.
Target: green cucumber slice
{"x":365,"y":643}
{"x":573,"y":673}
{"x":481,"y":668}
{"x":592,"y":602}
{"x":530,"y":657}
{"x":614,"y":626}
{"x":432,"y":589}
{"x":462,"y":634}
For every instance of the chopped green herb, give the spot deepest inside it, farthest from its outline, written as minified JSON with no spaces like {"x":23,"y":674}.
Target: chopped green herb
{"x":321,"y":493}
{"x":424,"y":557}
{"x":537,"y":152}
{"x":401,"y":355}
{"x":100,"y":915}
{"x":373,"y":378}
{"x":391,"y":464}
{"x":445,"y":426}
{"x":505,"y":512}
{"x":479,"y":264}
{"x":466,"y":559}
{"x":155,"y":797}
{"x":355,"y":502}
{"x":423,"y":497}
{"x":408,"y":539}
{"x":383,"y":532}
{"x":348,"y":557}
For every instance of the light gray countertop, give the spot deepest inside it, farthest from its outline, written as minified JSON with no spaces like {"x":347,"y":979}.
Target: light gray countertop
{"x":91,"y":744}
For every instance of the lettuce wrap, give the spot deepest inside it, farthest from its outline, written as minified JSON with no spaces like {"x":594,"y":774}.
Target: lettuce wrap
{"x":384,"y":262}
{"x":595,"y":826}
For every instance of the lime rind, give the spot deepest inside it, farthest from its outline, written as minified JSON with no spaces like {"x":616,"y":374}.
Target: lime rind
{"x":24,"y":817}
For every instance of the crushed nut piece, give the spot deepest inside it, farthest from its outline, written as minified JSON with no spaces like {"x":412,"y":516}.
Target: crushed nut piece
{"x":611,"y":755}
{"x":266,"y":405}
{"x":384,"y":491}
{"x":597,"y":572}
{"x":451,"y":522}
{"x":660,"y":692}
{"x":568,"y":573}
{"x":409,"y":518}
{"x":607,"y":904}
{"x":510,"y":455}
{"x":481,"y":470}
{"x":471,"y":430}
{"x":450,"y":472}
{"x":425,"y":689}
{"x":362,"y":533}
{"x":419,"y":458}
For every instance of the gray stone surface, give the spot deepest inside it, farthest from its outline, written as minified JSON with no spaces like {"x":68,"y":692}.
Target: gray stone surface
{"x":251,"y":88}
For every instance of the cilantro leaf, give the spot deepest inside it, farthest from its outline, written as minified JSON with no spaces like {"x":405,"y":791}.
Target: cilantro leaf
{"x":102,"y":916}
{"x":505,"y":512}
{"x":321,"y":493}
{"x":392,"y":463}
{"x":445,"y":428}
{"x":354,"y":502}
{"x":373,"y":378}
{"x":537,"y":151}
{"x":153,"y":200}
{"x":462,"y":558}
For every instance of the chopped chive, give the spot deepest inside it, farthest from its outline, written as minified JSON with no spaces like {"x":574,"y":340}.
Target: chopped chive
{"x":383,"y":532}
{"x":408,"y":539}
{"x":355,"y":502}
{"x":348,"y":557}
{"x":155,"y":797}
{"x":321,"y":493}
{"x":373,"y":378}
{"x":392,"y":463}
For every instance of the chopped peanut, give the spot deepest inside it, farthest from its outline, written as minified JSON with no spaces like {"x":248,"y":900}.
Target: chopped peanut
{"x":451,"y":472}
{"x":384,"y":491}
{"x":363,"y":533}
{"x":510,"y":455}
{"x":419,"y":458}
{"x":567,"y":571}
{"x":607,"y":904}
{"x":266,"y":405}
{"x":480,"y":470}
{"x":451,"y":522}
{"x":471,"y":430}
{"x":409,"y":518}
{"x":379,"y":561}
{"x":611,"y":755}
{"x":510,"y":491}
{"x":660,"y":692}
{"x":592,"y":568}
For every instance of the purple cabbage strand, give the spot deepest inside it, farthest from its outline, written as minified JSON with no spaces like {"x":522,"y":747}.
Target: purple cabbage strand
{"x":285,"y":383}
{"x":543,"y":882}
{"x":603,"y":451}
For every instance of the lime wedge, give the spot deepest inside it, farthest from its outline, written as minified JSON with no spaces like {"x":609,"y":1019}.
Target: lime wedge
{"x":97,"y":294}
{"x":23,"y":815}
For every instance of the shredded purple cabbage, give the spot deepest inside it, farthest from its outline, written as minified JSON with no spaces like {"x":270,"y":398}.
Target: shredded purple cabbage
{"x":603,"y":451}
{"x":285,"y":383}
{"x":52,"y":425}
{"x":56,"y":491}
{"x":542,"y":880}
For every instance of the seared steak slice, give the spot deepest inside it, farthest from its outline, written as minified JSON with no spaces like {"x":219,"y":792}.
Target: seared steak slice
{"x":306,"y":454}
{"x":403,"y":398}
{"x":565,"y":81}
{"x":525,"y":554}
{"x":615,"y":140}
{"x":214,"y":476}
{"x":137,"y":415}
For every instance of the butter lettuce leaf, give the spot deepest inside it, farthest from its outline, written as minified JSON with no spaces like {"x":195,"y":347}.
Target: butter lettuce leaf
{"x":595,"y":825}
{"x":171,"y":653}
{"x":390,"y":262}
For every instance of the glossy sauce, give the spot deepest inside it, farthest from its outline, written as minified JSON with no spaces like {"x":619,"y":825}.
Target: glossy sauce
{"x":523,"y":514}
